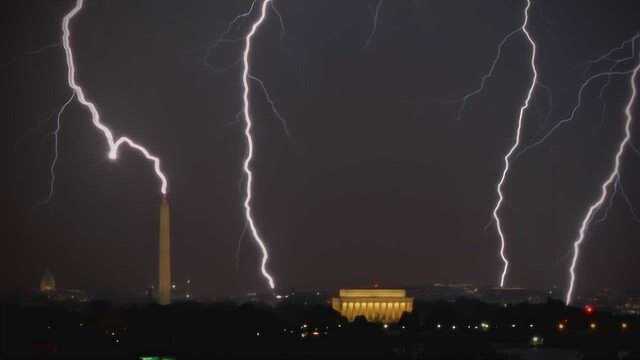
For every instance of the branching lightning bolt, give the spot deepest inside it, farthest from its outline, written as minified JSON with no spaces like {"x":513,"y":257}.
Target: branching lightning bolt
{"x":56,"y":141}
{"x":283,"y":29}
{"x":632,"y":209}
{"x":605,"y":212}
{"x":573,"y":112}
{"x":247,"y":132}
{"x":614,"y":174}
{"x":40,"y":50}
{"x":608,"y":74}
{"x":483,"y":80}
{"x":223,"y":38}
{"x":374,"y":25}
{"x":515,"y":145}
{"x":114,"y":144}
{"x":275,"y":111}
{"x":618,"y":188}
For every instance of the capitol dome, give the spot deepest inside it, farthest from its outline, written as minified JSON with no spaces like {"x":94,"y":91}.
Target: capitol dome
{"x":48,"y":282}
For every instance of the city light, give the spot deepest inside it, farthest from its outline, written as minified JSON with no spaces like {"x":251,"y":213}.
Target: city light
{"x":536,"y":341}
{"x":588,"y":309}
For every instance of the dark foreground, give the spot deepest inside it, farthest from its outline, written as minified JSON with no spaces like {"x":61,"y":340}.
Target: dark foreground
{"x":460,"y":330}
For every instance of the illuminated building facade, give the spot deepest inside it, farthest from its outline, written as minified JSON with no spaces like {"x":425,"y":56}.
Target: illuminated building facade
{"x":376,"y":305}
{"x":48,"y":282}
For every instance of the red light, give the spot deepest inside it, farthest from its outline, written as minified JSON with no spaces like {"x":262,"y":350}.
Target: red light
{"x":588,"y":309}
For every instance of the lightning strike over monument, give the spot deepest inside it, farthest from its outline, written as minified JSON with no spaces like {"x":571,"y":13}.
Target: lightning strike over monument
{"x":604,"y":188}
{"x":112,"y":143}
{"x":514,"y":147}
{"x":249,"y":155}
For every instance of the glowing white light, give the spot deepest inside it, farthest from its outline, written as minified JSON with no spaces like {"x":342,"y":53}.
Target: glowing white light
{"x":114,"y":145}
{"x":249,"y":156}
{"x":515,"y":145}
{"x":605,"y":185}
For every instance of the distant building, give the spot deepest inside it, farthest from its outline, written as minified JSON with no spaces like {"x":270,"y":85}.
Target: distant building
{"x":164,"y":255}
{"x":630,"y":306}
{"x":376,"y":305}
{"x":48,"y":282}
{"x":48,"y":288}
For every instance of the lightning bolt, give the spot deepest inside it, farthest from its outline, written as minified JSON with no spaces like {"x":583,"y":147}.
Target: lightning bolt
{"x":614,"y":65}
{"x":374,"y":25}
{"x":613,"y":175}
{"x":37,"y":51}
{"x":618,"y":188}
{"x":113,"y":144}
{"x":573,"y":112}
{"x":632,"y":209}
{"x":515,"y":145}
{"x":56,"y":141}
{"x":609,"y":74}
{"x":605,"y":212}
{"x":486,"y":76}
{"x":272,"y":103}
{"x":249,"y":156}
{"x":223,"y":38}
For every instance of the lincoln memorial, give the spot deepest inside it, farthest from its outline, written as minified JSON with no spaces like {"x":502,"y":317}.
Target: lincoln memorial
{"x":376,"y":305}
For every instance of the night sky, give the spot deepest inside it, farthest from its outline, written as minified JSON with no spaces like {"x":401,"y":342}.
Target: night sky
{"x":378,"y":181}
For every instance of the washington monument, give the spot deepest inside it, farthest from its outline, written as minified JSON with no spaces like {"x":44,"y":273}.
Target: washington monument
{"x":164,"y":252}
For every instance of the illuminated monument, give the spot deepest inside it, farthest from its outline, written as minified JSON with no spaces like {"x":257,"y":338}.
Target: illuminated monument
{"x":376,"y":305}
{"x":164,"y":252}
{"x":48,"y":282}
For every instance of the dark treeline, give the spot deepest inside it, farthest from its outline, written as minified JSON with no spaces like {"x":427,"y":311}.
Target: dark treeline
{"x":465,"y":329}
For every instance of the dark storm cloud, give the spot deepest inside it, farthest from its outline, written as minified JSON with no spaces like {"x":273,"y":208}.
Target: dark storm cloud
{"x":378,"y":182}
